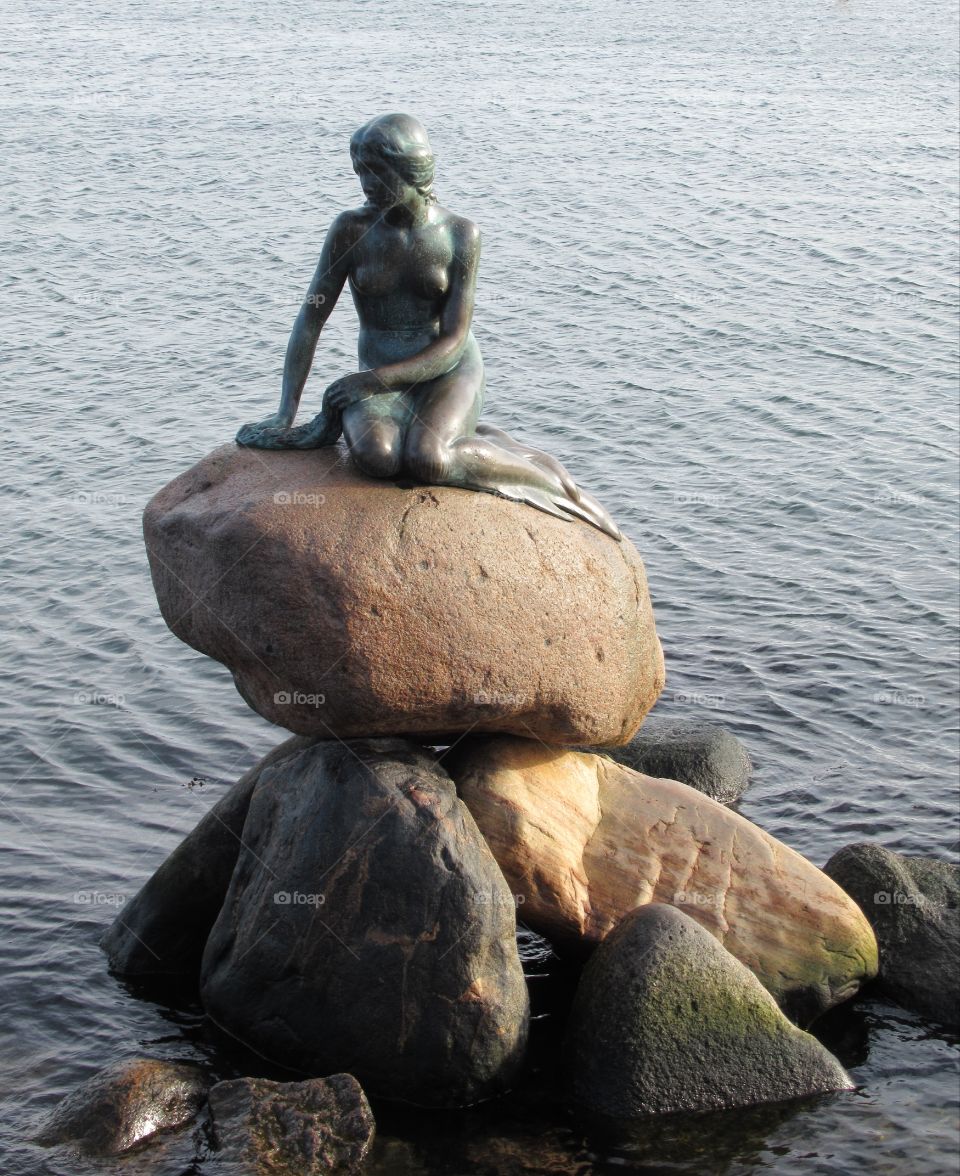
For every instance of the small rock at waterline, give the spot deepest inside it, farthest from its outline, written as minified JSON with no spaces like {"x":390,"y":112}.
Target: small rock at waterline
{"x":913,"y":905}
{"x":704,"y":756}
{"x":263,"y":1128}
{"x":125,"y":1104}
{"x":665,"y":1020}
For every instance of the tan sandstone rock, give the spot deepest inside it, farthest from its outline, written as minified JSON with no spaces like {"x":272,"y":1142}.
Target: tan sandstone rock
{"x":584,"y":840}
{"x":352,"y":607}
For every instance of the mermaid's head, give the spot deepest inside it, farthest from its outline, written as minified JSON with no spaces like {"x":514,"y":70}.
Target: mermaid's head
{"x":392,"y":157}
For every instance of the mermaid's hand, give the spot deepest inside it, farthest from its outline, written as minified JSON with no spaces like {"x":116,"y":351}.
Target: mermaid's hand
{"x":323,"y":430}
{"x":349,"y":389}
{"x":268,"y":434}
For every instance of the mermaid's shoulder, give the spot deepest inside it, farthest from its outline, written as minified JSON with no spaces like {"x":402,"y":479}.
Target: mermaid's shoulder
{"x":463,"y":232}
{"x":351,"y":221}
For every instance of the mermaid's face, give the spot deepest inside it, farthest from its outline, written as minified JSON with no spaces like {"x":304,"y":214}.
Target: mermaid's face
{"x":381,"y":185}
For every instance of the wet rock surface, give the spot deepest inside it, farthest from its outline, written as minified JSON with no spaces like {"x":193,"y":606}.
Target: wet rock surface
{"x":124,"y":1105}
{"x":263,"y":1128}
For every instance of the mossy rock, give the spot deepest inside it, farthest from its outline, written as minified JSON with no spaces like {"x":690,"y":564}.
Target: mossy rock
{"x":665,"y":1019}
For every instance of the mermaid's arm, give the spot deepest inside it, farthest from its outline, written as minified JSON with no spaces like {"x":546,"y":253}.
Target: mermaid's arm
{"x":328,"y":281}
{"x":277,"y":431}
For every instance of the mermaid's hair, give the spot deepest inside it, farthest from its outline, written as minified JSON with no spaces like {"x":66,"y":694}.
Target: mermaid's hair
{"x":400,"y":142}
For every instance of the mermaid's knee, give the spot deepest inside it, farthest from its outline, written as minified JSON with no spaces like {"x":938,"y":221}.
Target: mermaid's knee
{"x":428,"y":459}
{"x":377,"y":456}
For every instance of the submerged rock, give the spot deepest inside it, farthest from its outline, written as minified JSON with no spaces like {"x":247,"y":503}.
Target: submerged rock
{"x":583,"y":840}
{"x":124,"y":1105}
{"x":350,"y":607}
{"x":163,"y":929}
{"x":913,"y":905}
{"x":368,"y":928}
{"x":665,"y":1019}
{"x":307,"y":1128}
{"x":701,"y":755}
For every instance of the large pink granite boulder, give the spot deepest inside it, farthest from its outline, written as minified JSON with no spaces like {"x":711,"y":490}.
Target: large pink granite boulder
{"x":351,"y":607}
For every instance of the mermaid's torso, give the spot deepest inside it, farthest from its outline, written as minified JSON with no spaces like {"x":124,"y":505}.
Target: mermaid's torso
{"x":399,"y":279}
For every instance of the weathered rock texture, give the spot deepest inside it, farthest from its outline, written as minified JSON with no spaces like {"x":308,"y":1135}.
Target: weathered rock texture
{"x":125,"y":1104}
{"x":353,"y":607}
{"x":264,"y":1128}
{"x":704,"y":756}
{"x":163,"y":929}
{"x":367,"y":928}
{"x":584,"y":840}
{"x":913,"y":905}
{"x":665,"y":1019}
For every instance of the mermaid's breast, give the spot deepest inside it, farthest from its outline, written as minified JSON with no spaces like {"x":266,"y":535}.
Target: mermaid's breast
{"x":373,"y":281}
{"x":429,"y":283}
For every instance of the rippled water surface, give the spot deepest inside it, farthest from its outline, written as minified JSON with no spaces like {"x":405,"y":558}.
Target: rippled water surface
{"x":719,"y":282}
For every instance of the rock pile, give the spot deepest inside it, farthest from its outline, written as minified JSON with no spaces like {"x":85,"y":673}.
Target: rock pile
{"x":349,"y":907}
{"x":257,"y":1127}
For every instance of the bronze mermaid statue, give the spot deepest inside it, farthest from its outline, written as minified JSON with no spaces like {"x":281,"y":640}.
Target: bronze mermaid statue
{"x":412,"y":409}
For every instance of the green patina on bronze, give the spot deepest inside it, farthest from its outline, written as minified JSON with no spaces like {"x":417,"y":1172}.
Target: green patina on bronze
{"x":412,"y":409}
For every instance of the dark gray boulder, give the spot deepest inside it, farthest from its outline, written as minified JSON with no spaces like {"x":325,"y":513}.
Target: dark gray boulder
{"x":263,"y":1128}
{"x":164,"y":928}
{"x":665,"y":1019}
{"x":124,"y":1105}
{"x":913,"y":905}
{"x":368,"y":929}
{"x":701,"y":755}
